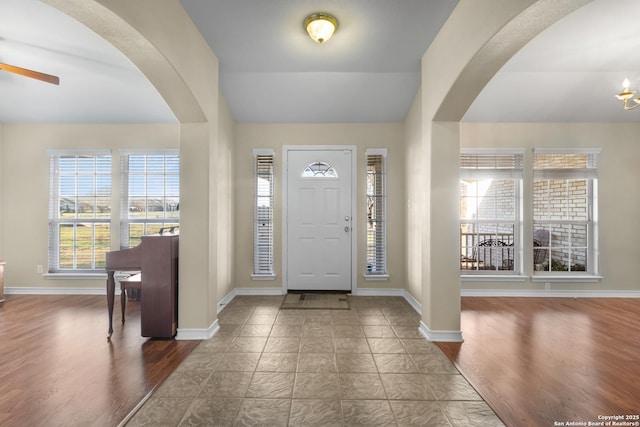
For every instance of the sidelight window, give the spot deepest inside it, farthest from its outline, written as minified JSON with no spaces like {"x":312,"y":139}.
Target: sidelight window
{"x":376,"y":213}
{"x":263,"y":214}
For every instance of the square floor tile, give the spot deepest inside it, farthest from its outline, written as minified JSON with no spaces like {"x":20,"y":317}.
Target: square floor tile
{"x":418,"y":413}
{"x":395,"y":363}
{"x":316,"y":330}
{"x":420,"y":345}
{"x":247,"y":345}
{"x":261,"y":319}
{"x":317,"y":362}
{"x":355,"y":362}
{"x":316,"y":345}
{"x":238,"y":362}
{"x":347,"y":331}
{"x":361,"y":386}
{"x":367,"y":413}
{"x":264,"y":412}
{"x":314,"y":412}
{"x":271,"y":385}
{"x":282,"y":345}
{"x":212,"y":412}
{"x":316,"y":386}
{"x":161,"y":412}
{"x":183,"y":384}
{"x":373,"y":320}
{"x":285,"y":330}
{"x":255,"y":331}
{"x":407,"y":386}
{"x":386,"y":345}
{"x":278,"y":362}
{"x":226,"y":384}
{"x":378,"y":331}
{"x":351,"y":345}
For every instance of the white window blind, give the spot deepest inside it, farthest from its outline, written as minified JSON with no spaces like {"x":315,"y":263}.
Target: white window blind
{"x":263,"y":215}
{"x":79,"y":210}
{"x":150,"y":194}
{"x":376,"y":213}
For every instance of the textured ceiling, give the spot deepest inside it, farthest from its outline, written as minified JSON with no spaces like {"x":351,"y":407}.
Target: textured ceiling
{"x":270,"y":71}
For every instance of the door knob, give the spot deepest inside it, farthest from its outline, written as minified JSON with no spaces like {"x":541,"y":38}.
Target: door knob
{"x":346,"y":228}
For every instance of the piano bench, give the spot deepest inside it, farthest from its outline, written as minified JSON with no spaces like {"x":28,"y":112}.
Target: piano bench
{"x":132,"y":282}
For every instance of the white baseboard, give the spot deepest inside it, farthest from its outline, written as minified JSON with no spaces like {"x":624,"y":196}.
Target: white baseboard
{"x":34,"y":290}
{"x":185,"y":334}
{"x":224,"y":301}
{"x":413,"y":302}
{"x":379,"y":292}
{"x":246,"y":291}
{"x":548,"y":293}
{"x":259,"y":291}
{"x":440,"y":336}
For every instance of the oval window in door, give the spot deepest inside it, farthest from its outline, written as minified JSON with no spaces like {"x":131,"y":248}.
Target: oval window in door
{"x":319,"y":170}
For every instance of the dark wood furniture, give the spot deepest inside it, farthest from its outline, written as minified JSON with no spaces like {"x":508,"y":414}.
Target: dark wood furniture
{"x":128,"y":286}
{"x":156,"y":258}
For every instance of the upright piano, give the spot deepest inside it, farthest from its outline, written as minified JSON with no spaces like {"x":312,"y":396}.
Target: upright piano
{"x":156,"y":258}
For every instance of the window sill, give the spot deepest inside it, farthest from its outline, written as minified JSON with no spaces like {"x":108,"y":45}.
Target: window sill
{"x":376,"y":277}
{"x":492,"y":278}
{"x":263,"y":277}
{"x":558,"y":278}
{"x":75,"y":276}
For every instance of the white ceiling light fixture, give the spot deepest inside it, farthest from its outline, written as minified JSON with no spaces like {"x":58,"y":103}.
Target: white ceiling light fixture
{"x":627,"y":95}
{"x":320,"y":26}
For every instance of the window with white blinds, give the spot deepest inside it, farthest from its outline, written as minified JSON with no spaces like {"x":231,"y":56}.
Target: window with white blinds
{"x":263,"y":214}
{"x":79,"y":210}
{"x":150,"y":194}
{"x":376,"y":213}
{"x":490,"y":206}
{"x":564,"y":211}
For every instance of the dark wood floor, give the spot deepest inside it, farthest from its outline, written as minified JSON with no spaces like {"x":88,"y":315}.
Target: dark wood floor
{"x":537,"y":361}
{"x":57,"y":368}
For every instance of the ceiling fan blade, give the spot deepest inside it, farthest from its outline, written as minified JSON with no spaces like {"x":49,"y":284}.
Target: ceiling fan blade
{"x":30,"y":73}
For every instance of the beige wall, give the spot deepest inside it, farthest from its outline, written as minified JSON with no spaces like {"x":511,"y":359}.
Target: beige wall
{"x":25,"y":177}
{"x":225,"y":214}
{"x":363,"y":136}
{"x":618,"y":201}
{"x":414,"y":186}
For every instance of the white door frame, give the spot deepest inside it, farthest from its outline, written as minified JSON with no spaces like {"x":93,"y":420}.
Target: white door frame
{"x":354,"y":211}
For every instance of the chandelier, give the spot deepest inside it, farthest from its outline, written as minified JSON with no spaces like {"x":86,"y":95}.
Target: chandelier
{"x":626,"y":95}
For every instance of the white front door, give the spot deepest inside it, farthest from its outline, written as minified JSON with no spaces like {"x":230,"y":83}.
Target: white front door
{"x":319,"y":219}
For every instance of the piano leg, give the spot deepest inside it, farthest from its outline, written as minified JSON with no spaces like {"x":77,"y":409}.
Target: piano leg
{"x":111,"y":290}
{"x":123,"y":301}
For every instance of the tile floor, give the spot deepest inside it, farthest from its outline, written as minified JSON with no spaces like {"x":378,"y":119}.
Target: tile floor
{"x":365,"y":366}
